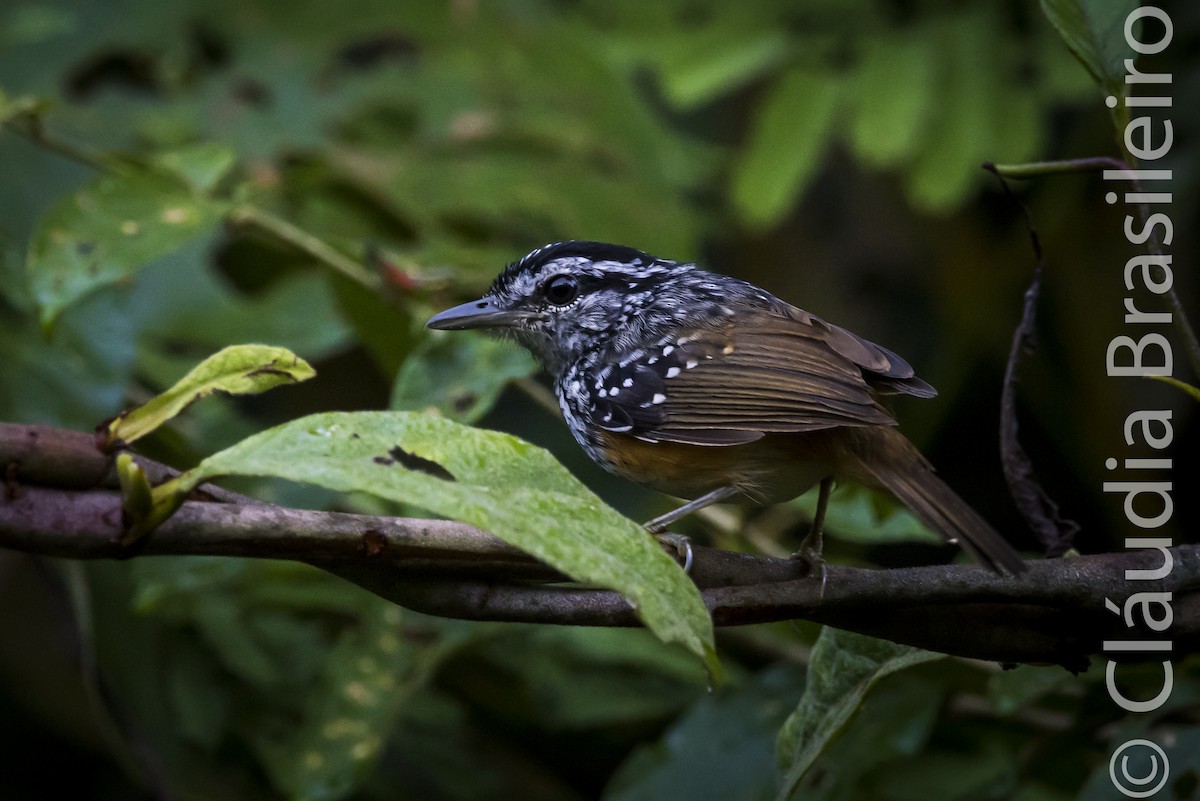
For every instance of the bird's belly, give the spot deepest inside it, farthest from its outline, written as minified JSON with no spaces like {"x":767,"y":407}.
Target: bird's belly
{"x":767,"y":471}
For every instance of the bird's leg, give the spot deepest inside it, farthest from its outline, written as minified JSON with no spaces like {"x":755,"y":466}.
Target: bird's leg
{"x":660,"y":523}
{"x":677,"y":542}
{"x":810,"y":548}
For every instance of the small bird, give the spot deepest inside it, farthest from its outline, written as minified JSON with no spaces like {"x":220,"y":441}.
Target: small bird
{"x":705,"y":387}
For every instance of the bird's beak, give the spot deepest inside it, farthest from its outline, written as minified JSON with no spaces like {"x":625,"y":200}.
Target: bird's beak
{"x":482,"y":313}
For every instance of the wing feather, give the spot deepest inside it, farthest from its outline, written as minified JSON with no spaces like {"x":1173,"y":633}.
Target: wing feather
{"x":773,"y":371}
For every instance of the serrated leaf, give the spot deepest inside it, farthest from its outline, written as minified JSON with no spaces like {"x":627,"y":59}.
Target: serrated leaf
{"x":107,"y":231}
{"x":842,"y":669}
{"x":786,"y":145}
{"x":1094,"y":31}
{"x":491,"y":480}
{"x":236,"y":370}
{"x":461,"y":375}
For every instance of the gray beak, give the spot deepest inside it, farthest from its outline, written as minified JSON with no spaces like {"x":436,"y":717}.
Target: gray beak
{"x":482,"y":313}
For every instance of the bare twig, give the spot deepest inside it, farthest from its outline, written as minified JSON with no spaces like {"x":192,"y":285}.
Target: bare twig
{"x":1154,"y":245}
{"x":1056,"y":533}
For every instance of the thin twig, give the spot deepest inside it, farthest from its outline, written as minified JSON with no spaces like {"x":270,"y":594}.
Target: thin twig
{"x":1153,"y":244}
{"x":306,"y":243}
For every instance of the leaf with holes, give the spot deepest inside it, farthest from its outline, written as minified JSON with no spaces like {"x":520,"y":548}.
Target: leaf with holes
{"x":110,"y":229}
{"x":491,"y":480}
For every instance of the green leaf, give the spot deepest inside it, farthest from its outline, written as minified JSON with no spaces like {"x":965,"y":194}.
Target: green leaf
{"x":894,"y":93}
{"x":201,"y":165}
{"x":237,"y":370}
{"x":1094,"y":31}
{"x":582,"y":678}
{"x":720,"y":749}
{"x":842,"y":669}
{"x":347,"y":717}
{"x":705,"y":67}
{"x":966,"y":121}
{"x":460,"y":375}
{"x":109,"y":230}
{"x":73,"y":377}
{"x":137,"y":500}
{"x":786,"y":145}
{"x":494,"y":481}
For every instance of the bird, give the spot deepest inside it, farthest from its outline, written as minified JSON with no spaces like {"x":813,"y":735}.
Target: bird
{"x":706,"y":387}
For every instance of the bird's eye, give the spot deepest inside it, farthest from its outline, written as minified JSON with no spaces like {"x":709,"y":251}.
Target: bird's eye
{"x":561,"y":290}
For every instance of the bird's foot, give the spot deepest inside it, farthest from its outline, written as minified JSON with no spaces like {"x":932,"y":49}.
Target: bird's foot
{"x":679,"y":546}
{"x":815,"y":564}
{"x":810,"y":554}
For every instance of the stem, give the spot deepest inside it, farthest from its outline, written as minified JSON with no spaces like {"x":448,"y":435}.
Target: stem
{"x":34,"y":132}
{"x":1043,"y":168}
{"x":306,"y":243}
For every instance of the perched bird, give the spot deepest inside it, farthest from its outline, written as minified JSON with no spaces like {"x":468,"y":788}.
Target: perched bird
{"x":705,"y":387}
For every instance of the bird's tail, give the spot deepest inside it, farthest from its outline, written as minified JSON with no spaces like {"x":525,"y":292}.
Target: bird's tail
{"x":897,"y":466}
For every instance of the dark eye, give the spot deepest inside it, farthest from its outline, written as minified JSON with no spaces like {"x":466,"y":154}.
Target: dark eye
{"x":561,"y":290}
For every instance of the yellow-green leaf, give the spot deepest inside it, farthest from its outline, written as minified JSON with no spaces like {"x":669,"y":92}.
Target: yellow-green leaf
{"x":237,"y":370}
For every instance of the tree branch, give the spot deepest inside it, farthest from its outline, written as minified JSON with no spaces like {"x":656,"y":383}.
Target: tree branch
{"x":58,"y":501}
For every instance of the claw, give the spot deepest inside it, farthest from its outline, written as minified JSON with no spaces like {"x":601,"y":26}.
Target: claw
{"x":681,"y":545}
{"x":811,"y":557}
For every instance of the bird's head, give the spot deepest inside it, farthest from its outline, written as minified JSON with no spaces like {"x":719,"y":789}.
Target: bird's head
{"x":565,"y":299}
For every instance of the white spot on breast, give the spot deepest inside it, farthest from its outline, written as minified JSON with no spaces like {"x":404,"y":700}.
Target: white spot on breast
{"x":612,"y":391}
{"x":628,"y":382}
{"x":672,"y":372}
{"x":668,"y":350}
{"x":658,"y":398}
{"x":690,"y":363}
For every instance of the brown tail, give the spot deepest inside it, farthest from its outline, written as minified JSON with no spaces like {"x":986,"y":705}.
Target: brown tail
{"x":897,"y":466}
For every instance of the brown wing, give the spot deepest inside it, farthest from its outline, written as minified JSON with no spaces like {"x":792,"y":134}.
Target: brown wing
{"x":731,"y":383}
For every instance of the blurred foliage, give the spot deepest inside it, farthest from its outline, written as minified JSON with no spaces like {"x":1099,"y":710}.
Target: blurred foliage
{"x":181,"y":176}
